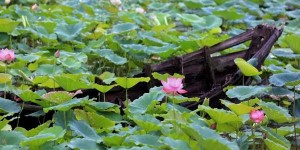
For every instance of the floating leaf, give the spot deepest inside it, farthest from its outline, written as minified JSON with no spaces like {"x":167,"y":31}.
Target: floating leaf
{"x":111,"y":56}
{"x":85,"y":130}
{"x":68,"y":32}
{"x":9,"y":106}
{"x":238,"y":109}
{"x":174,"y":144}
{"x":147,"y":122}
{"x":5,"y":78}
{"x":11,"y":137}
{"x":58,"y":97}
{"x":206,"y":22}
{"x":124,"y":27}
{"x":244,"y":92}
{"x":285,"y":53}
{"x":292,"y":41}
{"x":209,"y":22}
{"x":105,"y":106}
{"x":130,"y":82}
{"x":289,"y":79}
{"x":35,"y":131}
{"x":62,"y":119}
{"x":68,"y":105}
{"x":246,"y":68}
{"x":84,"y":143}
{"x":275,"y":141}
{"x":208,"y":138}
{"x":146,"y":139}
{"x":113,"y":140}
{"x":70,"y":84}
{"x":48,"y":134}
{"x":107,"y":77}
{"x":103,"y":88}
{"x":229,"y":14}
{"x":95,"y":120}
{"x":276,"y":113}
{"x":140,"y":105}
{"x":7,"y":25}
{"x":226,"y":121}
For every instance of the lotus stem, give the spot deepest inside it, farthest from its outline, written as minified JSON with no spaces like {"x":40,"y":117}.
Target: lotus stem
{"x":19,"y":115}
{"x":294,"y":113}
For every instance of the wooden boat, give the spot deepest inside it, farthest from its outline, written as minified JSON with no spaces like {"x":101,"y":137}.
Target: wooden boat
{"x":206,"y":76}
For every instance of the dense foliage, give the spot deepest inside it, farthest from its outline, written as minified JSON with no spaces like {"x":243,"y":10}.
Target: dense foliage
{"x":66,"y":44}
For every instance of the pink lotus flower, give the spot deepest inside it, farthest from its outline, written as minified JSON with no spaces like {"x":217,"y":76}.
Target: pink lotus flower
{"x":57,"y":53}
{"x":257,"y":116}
{"x":7,"y":55}
{"x":34,"y":7}
{"x":173,"y":85}
{"x":140,"y":10}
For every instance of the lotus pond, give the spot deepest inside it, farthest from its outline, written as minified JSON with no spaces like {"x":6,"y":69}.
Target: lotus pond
{"x":53,"y":51}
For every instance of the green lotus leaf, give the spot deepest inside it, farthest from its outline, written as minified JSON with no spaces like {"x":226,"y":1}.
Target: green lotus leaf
{"x":48,"y":134}
{"x":229,"y":14}
{"x":85,"y":130}
{"x":174,"y":144}
{"x":111,"y":56}
{"x":5,"y":78}
{"x":208,"y":22}
{"x":103,"y":88}
{"x":285,"y":53}
{"x":275,"y":141}
{"x":208,"y":138}
{"x":84,"y":143}
{"x":70,"y":84}
{"x":68,"y":32}
{"x":9,"y":106}
{"x":140,"y":105}
{"x":145,"y":139}
{"x":276,"y":113}
{"x":130,"y":82}
{"x":11,"y":137}
{"x":245,"y":92}
{"x":68,"y":105}
{"x":96,"y":121}
{"x":147,"y":122}
{"x":239,"y":109}
{"x":105,"y":106}
{"x":107,"y":77}
{"x":58,"y":97}
{"x":292,"y":41}
{"x":113,"y":140}
{"x":8,"y":25}
{"x":123,"y":27}
{"x":246,"y":68}
{"x":289,"y":79}
{"x":227,"y":121}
